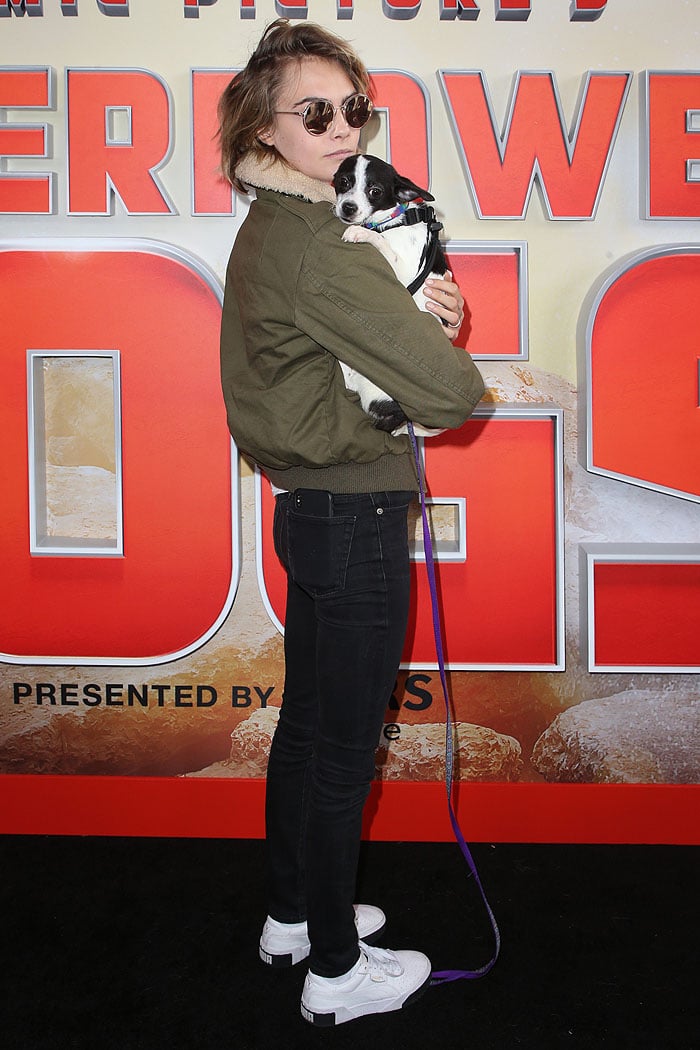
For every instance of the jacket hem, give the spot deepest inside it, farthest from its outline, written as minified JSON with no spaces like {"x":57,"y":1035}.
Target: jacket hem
{"x":389,"y":473}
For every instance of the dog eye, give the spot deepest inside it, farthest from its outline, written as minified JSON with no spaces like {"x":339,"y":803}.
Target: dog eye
{"x":342,"y":184}
{"x":374,"y":193}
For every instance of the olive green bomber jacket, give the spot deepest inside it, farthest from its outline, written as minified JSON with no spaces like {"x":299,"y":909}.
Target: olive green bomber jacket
{"x":298,"y":299}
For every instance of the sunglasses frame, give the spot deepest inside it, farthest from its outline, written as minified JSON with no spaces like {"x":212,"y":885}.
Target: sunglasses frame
{"x":342,"y":108}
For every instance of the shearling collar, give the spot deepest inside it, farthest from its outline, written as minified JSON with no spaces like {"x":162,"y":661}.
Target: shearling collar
{"x":276,"y":175}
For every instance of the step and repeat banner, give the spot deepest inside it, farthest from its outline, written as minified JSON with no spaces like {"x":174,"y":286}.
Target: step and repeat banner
{"x":142,"y":613}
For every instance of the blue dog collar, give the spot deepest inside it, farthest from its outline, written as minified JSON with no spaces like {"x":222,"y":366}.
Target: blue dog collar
{"x":395,"y":219}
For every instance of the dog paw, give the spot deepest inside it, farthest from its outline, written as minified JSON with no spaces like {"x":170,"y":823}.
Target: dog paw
{"x":418,"y":430}
{"x":356,"y":234}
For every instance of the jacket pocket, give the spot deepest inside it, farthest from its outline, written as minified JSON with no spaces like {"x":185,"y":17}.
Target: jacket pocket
{"x":318,"y":550}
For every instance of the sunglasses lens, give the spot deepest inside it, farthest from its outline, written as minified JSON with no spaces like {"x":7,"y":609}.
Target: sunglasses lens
{"x":318,"y":116}
{"x":358,"y":110}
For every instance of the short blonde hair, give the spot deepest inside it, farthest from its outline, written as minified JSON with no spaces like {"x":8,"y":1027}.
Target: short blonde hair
{"x":247,"y":106}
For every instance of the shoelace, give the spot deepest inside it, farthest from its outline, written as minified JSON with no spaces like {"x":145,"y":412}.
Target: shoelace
{"x":442,"y":976}
{"x":381,"y":962}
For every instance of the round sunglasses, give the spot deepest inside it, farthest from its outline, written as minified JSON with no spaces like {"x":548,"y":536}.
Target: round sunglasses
{"x":319,"y":114}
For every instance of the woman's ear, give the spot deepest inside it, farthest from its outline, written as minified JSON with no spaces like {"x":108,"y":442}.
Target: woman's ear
{"x":265,"y":136}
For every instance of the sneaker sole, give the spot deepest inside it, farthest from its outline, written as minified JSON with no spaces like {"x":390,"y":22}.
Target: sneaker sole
{"x":282,"y":962}
{"x":330,"y":1019}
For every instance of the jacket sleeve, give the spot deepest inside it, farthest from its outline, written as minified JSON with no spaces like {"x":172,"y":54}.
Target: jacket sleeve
{"x":350,"y":301}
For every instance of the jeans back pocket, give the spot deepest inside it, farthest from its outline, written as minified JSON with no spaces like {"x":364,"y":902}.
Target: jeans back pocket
{"x":318,"y":550}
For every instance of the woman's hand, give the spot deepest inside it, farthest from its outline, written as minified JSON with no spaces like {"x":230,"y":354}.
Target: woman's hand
{"x":444,"y":299}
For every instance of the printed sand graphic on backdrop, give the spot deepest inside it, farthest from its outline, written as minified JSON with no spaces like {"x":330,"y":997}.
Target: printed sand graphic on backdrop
{"x":418,"y":753}
{"x":79,"y":447}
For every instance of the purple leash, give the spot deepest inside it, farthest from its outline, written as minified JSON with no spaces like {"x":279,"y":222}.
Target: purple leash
{"x":443,"y":976}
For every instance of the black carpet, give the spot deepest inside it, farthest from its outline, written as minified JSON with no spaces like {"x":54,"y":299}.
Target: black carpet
{"x":142,"y":944}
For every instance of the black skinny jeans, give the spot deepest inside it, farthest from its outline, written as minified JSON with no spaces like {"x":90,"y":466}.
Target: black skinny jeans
{"x":348,"y":589}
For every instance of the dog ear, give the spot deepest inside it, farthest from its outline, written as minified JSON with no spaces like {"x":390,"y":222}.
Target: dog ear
{"x":408,"y":191}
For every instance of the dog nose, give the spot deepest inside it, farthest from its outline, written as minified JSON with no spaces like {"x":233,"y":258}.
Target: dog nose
{"x":348,"y":209}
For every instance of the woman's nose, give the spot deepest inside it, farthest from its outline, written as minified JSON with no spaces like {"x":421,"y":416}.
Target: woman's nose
{"x":339,"y":125}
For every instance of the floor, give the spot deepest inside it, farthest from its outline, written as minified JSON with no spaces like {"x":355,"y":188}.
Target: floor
{"x":138,"y":944}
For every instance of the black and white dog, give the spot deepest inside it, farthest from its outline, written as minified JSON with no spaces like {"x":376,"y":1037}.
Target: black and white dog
{"x":388,"y":211}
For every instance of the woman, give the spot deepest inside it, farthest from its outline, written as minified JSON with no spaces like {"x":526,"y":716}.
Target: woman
{"x":298,"y":299}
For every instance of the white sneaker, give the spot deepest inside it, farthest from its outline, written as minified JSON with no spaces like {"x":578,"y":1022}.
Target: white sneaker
{"x":285,"y":944}
{"x":380,"y":981}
